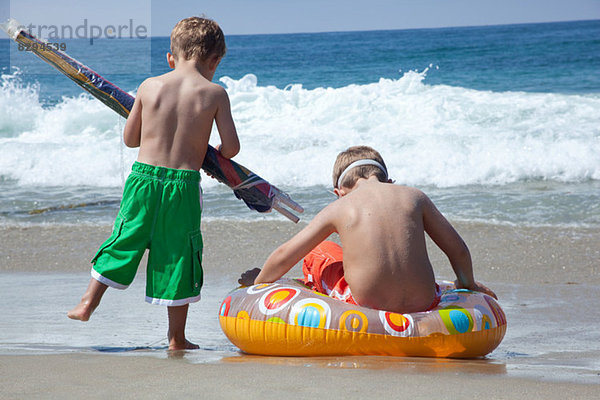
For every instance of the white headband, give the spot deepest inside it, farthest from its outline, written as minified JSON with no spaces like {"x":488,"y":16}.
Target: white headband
{"x":359,"y":163}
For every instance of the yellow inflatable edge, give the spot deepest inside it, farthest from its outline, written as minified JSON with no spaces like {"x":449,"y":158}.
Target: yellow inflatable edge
{"x":265,"y":338}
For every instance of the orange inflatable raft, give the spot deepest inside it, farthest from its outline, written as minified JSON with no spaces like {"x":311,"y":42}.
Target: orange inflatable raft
{"x":286,"y":318}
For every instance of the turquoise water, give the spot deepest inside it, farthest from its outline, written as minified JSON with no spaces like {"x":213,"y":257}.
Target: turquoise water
{"x":498,"y":124}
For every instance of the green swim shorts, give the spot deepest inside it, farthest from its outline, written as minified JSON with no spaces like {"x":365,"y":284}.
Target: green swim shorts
{"x":160,"y":211}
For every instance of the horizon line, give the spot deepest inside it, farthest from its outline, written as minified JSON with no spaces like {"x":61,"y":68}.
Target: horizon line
{"x":380,"y":30}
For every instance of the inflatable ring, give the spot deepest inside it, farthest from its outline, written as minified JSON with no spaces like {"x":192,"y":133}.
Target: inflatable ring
{"x":286,"y":318}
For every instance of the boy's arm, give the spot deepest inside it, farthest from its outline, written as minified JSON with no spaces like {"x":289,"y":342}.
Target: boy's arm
{"x":289,"y":253}
{"x":230,"y":144}
{"x":132,"y":133}
{"x":450,"y":242}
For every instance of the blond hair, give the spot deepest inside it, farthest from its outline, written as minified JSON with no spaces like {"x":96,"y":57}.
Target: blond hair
{"x":197,"y":37}
{"x":352,"y":154}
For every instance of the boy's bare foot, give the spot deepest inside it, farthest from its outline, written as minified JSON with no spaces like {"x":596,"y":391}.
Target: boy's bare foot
{"x":82,"y":312}
{"x":176,"y":333}
{"x":90,"y":300}
{"x":185,"y":345}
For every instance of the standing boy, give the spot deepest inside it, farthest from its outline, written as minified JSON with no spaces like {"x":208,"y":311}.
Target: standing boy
{"x":171,"y":122}
{"x":382,"y":228}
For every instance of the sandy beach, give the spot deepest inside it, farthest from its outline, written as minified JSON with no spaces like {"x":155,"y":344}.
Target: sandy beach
{"x":544,"y":278}
{"x":506,"y":254}
{"x":97,"y":377}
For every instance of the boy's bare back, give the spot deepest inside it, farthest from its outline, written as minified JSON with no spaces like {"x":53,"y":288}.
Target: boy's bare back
{"x":382,"y":230}
{"x":177,"y":110}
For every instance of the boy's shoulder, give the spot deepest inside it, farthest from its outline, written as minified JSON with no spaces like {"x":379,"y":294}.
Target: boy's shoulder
{"x":393,"y":193}
{"x":408,"y":190}
{"x":172,"y":81}
{"x":195,"y":82}
{"x":158,"y":78}
{"x":152,"y":82}
{"x":395,"y":189}
{"x":409,"y":194}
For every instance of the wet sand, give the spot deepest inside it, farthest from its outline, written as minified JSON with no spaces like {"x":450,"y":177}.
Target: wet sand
{"x":537,"y":273}
{"x":500,"y":253}
{"x":100,"y":377}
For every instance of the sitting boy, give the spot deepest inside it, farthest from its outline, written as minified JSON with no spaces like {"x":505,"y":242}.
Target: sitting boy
{"x":382,"y":229}
{"x":171,"y":122}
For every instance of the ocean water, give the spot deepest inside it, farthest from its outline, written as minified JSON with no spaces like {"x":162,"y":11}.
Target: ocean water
{"x":498,"y":124}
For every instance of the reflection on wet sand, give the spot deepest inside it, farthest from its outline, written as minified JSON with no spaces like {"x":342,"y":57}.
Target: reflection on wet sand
{"x":400,"y":364}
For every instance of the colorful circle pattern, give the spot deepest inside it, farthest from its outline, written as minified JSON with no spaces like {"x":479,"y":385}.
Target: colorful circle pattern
{"x":354,"y":321}
{"x":274,"y":300}
{"x":261,"y":287}
{"x":225,"y":307}
{"x":499,"y":315}
{"x":457,"y":319}
{"x":484,"y":317}
{"x":397,"y":324}
{"x":312,"y":313}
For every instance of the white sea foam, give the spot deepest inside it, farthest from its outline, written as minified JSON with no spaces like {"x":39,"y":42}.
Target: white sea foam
{"x":428,"y":134}
{"x":18,"y":103}
{"x":434,"y":135}
{"x":74,"y":143}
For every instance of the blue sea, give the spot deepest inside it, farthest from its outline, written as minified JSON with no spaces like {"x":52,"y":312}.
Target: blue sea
{"x":498,"y":124}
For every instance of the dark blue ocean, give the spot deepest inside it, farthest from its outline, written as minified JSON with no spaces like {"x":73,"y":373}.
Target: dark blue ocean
{"x":498,"y":124}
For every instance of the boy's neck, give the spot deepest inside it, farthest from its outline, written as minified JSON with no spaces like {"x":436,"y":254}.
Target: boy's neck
{"x":194,"y":65}
{"x":359,"y":183}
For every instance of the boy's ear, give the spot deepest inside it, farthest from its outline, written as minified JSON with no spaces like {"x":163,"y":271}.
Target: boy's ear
{"x":340,"y":192}
{"x":171,"y":60}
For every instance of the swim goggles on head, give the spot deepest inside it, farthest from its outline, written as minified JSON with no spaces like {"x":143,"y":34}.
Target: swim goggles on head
{"x":359,"y":163}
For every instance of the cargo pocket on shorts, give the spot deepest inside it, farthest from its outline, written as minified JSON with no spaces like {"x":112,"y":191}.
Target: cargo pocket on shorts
{"x":197,"y":273}
{"x":118,"y":227}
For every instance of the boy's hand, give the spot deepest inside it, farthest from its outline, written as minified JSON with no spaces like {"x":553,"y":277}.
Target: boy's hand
{"x":218,"y":149}
{"x":248,"y":277}
{"x":477,"y":287}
